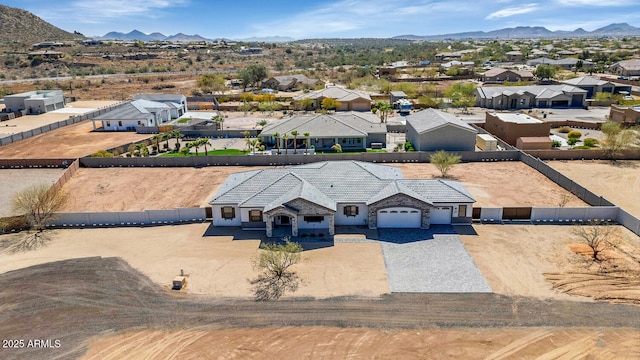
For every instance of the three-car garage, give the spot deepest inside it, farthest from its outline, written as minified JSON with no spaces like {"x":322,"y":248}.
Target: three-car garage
{"x":410,"y":218}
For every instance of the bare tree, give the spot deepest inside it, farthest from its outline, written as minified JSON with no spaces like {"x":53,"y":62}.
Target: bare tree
{"x":274,"y":262}
{"x":599,"y":236}
{"x":38,"y":203}
{"x":564,"y":200}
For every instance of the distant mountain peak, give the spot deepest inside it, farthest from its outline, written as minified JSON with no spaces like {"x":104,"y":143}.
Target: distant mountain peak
{"x":22,"y":26}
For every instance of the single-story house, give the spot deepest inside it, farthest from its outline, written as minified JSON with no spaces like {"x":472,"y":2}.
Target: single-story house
{"x":134,"y":114}
{"x":433,"y":130}
{"x":291,"y":82}
{"x":626,"y":67}
{"x":510,"y":127}
{"x":35,"y":102}
{"x":177,"y":102}
{"x":566,"y":63}
{"x":514,"y":56}
{"x":321,"y":195}
{"x":625,"y":115}
{"x":462,"y":64}
{"x":350,"y":100}
{"x":524,"y":97}
{"x":594,"y":85}
{"x":397,"y":95}
{"x":352,"y":130}
{"x":498,"y":76}
{"x":46,"y":54}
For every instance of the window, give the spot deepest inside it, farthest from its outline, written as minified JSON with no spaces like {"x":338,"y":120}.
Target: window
{"x":228,"y":213}
{"x":351,"y":210}
{"x":108,"y":123}
{"x":314,"y":219}
{"x":462,"y":210}
{"x":344,"y":141}
{"x":119,"y":123}
{"x":255,"y":215}
{"x":359,"y":141}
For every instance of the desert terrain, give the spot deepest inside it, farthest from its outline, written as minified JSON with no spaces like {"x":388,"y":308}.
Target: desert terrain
{"x":617,"y":182}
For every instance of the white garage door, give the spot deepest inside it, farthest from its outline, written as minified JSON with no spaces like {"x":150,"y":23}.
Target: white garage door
{"x":399,"y":218}
{"x":440,"y":215}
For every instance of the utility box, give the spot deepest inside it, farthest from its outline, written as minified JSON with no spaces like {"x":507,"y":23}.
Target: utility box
{"x":179,"y":282}
{"x":486,"y":142}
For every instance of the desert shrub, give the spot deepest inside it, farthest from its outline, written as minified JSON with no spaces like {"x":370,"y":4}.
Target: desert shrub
{"x":572,"y":141}
{"x":408,"y":146}
{"x":590,"y":142}
{"x":102,"y":153}
{"x":556,"y":143}
{"x":574,"y":134}
{"x":581,"y":147}
{"x":564,"y":129}
{"x":14,"y":223}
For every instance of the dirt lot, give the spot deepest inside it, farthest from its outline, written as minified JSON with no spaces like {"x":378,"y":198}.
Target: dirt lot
{"x":71,"y":141}
{"x":605,"y":178}
{"x":97,"y":306}
{"x":98,"y":189}
{"x":216,"y":266}
{"x":13,"y":181}
{"x":496,"y":184}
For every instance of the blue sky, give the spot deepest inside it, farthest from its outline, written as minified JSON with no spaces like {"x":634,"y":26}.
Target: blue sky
{"x":325,"y":18}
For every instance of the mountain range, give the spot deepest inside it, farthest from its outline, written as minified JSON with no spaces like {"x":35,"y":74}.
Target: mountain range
{"x":529,"y":32}
{"x":17,"y":25}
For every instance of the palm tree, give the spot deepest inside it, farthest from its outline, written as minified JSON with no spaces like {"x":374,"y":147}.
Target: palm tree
{"x":247,"y":138}
{"x":295,"y":140}
{"x":157,"y":138}
{"x":277,"y":137}
{"x":306,"y":142}
{"x":166,"y":136}
{"x":139,"y":147}
{"x":204,"y":142}
{"x":176,"y":134}
{"x":262,"y":123}
{"x":286,"y":144}
{"x":219,"y":120}
{"x":195,"y":144}
{"x":254,"y":143}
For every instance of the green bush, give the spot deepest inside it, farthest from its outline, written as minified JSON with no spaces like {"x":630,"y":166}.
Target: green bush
{"x":102,"y":153}
{"x":590,"y":142}
{"x":408,"y":147}
{"x":574,"y":134}
{"x":572,"y":141}
{"x":556,"y":143}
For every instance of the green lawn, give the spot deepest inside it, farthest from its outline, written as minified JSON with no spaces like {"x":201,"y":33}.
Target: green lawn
{"x":210,"y":153}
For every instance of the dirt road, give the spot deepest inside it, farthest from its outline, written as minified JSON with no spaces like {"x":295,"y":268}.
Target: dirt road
{"x":75,"y":300}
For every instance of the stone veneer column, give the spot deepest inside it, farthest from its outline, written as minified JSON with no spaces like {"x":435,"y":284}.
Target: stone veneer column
{"x":269,"y":226}
{"x":294,"y":226}
{"x":332,"y":230}
{"x":426,"y":218}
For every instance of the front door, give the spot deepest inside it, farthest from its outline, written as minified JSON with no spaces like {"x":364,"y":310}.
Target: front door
{"x":284,"y":220}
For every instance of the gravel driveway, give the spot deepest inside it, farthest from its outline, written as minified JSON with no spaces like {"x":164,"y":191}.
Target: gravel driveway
{"x":428,"y":261}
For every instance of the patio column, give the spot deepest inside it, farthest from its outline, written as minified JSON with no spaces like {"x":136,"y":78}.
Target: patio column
{"x":294,"y":226}
{"x":332,"y":230}
{"x":269,"y":227}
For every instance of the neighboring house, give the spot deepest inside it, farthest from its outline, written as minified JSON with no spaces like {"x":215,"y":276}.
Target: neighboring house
{"x":291,"y":82}
{"x":498,"y":76}
{"x":134,"y":114}
{"x":594,"y":85}
{"x":433,"y":130}
{"x":511,"y":127}
{"x":352,"y":130}
{"x":625,"y":115}
{"x":514,"y":56}
{"x":321,"y":195}
{"x":626,"y":67}
{"x":464,"y":64}
{"x":397,"y":95}
{"x":46,"y":44}
{"x":46,"y":54}
{"x":35,"y":102}
{"x":177,"y":102}
{"x":350,"y":100}
{"x":566,"y":63}
{"x":524,"y":97}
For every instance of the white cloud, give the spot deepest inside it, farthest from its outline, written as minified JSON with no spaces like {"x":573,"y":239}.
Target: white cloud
{"x":597,"y":3}
{"x":510,"y":11}
{"x":107,"y":9}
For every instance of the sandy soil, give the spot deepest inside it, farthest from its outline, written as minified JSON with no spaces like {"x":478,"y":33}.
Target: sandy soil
{"x":13,"y":181}
{"x":515,"y":260}
{"x":137,"y":189}
{"x":350,"y":343}
{"x":497,"y":184}
{"x":605,"y":178}
{"x":123,"y":189}
{"x":215,"y":266}
{"x":71,"y":141}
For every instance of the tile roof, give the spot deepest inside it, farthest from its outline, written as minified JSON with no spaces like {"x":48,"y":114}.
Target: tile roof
{"x":536,"y":90}
{"x":331,"y":182}
{"x":430,"y":119}
{"x":335,"y":92}
{"x":341,"y":124}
